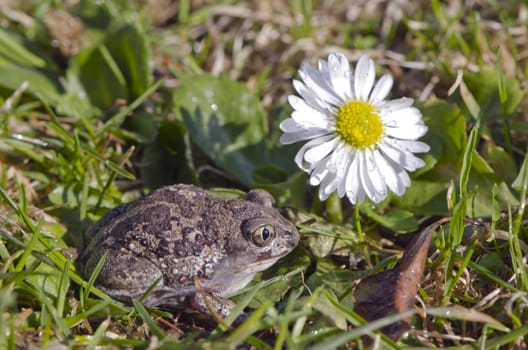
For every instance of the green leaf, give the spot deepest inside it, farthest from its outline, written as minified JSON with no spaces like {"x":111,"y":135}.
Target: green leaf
{"x":521,"y":180}
{"x":117,"y":68}
{"x":141,"y":126}
{"x":327,"y":308}
{"x":11,"y":49}
{"x":446,"y":135}
{"x":130,"y":50}
{"x":500,"y":161}
{"x":482,"y":204}
{"x":397,"y":220}
{"x":486,"y":85}
{"x":75,"y":100}
{"x":99,"y":75}
{"x":226,"y":121}
{"x":41,"y":81}
{"x":167,"y":160}
{"x":425,"y":198}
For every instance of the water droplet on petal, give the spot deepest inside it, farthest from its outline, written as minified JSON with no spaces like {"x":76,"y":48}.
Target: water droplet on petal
{"x":348,"y":74}
{"x":214,"y":107}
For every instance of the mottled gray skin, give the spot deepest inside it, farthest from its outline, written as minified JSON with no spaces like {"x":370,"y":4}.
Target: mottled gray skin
{"x":181,"y":233}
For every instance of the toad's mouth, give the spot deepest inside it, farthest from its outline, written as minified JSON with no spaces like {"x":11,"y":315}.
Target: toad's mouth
{"x":257,"y":266}
{"x":231,"y":283}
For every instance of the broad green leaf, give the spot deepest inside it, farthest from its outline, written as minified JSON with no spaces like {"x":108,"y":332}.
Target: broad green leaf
{"x":142,"y":127}
{"x":327,"y":308}
{"x":117,"y":68}
{"x":95,"y":14}
{"x":75,"y":100}
{"x":482,"y":204}
{"x":167,"y":160}
{"x":484,"y":85}
{"x":447,"y":131}
{"x":396,"y":220}
{"x":130,"y":50}
{"x":41,"y":81}
{"x":100,"y":76}
{"x":336,"y":279}
{"x":12,"y":50}
{"x":226,"y":121}
{"x":425,"y":198}
{"x":500,"y":161}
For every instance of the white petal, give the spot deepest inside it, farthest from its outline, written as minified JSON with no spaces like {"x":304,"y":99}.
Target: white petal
{"x":405,"y":159}
{"x":339,"y":162}
{"x":354,"y":191}
{"x":395,"y":105}
{"x":407,"y":132}
{"x":326,"y":187}
{"x":323,"y":173}
{"x":289,"y":125}
{"x":318,"y":152}
{"x":301,"y":135}
{"x":381,"y":89}
{"x":408,"y":146}
{"x":307,"y":115}
{"x":364,"y":77}
{"x":319,"y":172}
{"x":320,"y":86}
{"x":313,"y":121}
{"x":404,"y":178}
{"x":390,"y":174}
{"x":339,"y":71}
{"x":371,"y":178}
{"x":341,"y":188}
{"x":402,"y":116}
{"x":323,"y":67}
{"x":310,"y":97}
{"x":299,"y":157}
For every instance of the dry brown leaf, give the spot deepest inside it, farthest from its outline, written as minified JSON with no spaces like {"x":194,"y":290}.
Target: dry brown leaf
{"x":394,"y":291}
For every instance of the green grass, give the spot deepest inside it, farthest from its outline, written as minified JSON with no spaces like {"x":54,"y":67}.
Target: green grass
{"x":100,"y":103}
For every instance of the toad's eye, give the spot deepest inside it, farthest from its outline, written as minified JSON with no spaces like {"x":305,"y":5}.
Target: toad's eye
{"x":262,"y":235}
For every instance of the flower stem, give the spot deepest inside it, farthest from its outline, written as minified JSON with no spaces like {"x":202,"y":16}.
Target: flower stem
{"x":333,"y":209}
{"x":357,"y":221}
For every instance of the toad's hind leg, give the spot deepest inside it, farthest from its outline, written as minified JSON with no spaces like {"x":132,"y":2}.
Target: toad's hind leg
{"x":188,"y":297}
{"x":126,"y":276}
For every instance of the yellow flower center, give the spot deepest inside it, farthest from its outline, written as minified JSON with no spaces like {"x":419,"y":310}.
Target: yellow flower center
{"x":359,"y":124}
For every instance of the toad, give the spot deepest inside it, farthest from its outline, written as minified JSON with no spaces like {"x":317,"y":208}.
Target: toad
{"x":180,"y":236}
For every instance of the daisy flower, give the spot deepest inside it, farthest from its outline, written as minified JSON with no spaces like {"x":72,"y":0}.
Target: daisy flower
{"x":359,"y":143}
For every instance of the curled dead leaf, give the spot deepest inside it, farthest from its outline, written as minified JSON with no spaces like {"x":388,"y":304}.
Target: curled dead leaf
{"x":394,"y":291}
